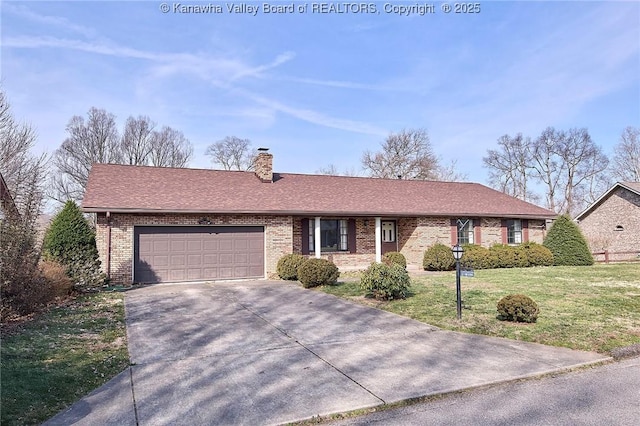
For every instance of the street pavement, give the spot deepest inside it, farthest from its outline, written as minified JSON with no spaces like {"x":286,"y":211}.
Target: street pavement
{"x":602,"y":395}
{"x":271,"y":352}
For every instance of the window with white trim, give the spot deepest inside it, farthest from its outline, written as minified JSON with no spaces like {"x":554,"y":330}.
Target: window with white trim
{"x":514,"y":231}
{"x":334,"y":235}
{"x":465,"y":231}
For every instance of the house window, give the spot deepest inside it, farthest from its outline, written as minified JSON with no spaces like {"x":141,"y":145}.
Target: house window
{"x":514,"y":231}
{"x":465,"y":231}
{"x":334,"y":235}
{"x":388,"y":232}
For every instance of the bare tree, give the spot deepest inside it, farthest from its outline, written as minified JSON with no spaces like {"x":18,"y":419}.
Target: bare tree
{"x":232,"y":153}
{"x":97,"y":140}
{"x":547,"y":164}
{"x":582,"y":160}
{"x":93,"y":141}
{"x":24,"y":175}
{"x":568,"y":164}
{"x":407,"y":154}
{"x":332,"y":170}
{"x":626,"y":158}
{"x":169,"y":148}
{"x":136,"y":140}
{"x":510,"y":167}
{"x":449,"y":172}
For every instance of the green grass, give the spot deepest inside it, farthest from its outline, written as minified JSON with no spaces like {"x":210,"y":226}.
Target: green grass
{"x":595,"y":308}
{"x":61,"y":355}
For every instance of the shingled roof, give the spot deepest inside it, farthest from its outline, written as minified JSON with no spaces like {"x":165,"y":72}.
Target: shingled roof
{"x":119,"y":188}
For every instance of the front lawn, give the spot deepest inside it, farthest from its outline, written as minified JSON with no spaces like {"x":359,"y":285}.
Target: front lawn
{"x":61,"y":355}
{"x":595,"y":308}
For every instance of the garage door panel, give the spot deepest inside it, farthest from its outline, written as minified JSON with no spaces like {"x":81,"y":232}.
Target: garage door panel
{"x":178,"y":246}
{"x":177,"y":260}
{"x":226,"y":244}
{"x":226,"y":272}
{"x":175,"y":253}
{"x":160,"y":246}
{"x":194,"y":245}
{"x":210,"y":245}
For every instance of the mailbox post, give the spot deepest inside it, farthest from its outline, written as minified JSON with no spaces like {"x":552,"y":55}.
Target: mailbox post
{"x":457,"y":255}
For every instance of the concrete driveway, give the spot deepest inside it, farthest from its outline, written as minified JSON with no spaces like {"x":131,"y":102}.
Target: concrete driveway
{"x":270,"y":352}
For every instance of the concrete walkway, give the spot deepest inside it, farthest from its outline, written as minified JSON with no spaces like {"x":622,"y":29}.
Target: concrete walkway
{"x":270,"y":352}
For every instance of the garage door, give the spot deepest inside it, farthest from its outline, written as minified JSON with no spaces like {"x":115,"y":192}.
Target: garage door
{"x":197,"y":253}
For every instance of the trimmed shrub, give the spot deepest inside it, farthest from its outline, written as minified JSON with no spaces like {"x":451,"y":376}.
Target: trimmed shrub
{"x":56,"y":276}
{"x":385,"y":282}
{"x":537,"y":254}
{"x":394,"y":257}
{"x":438,"y":257}
{"x":567,"y":243}
{"x":476,"y":257}
{"x":518,"y":308}
{"x":288,"y":266}
{"x":71,"y":242}
{"x":503,"y":256}
{"x":315,"y":272}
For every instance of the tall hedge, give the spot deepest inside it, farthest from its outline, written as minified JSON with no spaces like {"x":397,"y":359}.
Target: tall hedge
{"x":567,"y":243}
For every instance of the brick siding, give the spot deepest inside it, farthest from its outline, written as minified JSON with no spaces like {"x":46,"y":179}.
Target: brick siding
{"x":283,"y":235}
{"x":621,"y":208}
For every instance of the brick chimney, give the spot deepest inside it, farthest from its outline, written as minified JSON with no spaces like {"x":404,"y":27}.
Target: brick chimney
{"x":264,"y":165}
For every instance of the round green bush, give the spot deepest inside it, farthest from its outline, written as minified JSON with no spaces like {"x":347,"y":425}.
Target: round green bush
{"x":537,"y":254}
{"x":518,"y":308}
{"x":396,"y":257}
{"x":438,"y":257}
{"x":476,"y":257}
{"x":288,"y":266}
{"x":385,"y":282}
{"x":567,"y":243}
{"x":315,"y":272}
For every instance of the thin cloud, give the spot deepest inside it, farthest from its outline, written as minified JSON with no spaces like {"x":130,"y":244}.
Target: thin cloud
{"x":337,"y":84}
{"x":257,"y":71}
{"x":54,"y":21}
{"x":315,"y":117}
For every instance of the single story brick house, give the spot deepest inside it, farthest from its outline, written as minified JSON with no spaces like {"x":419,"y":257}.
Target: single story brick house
{"x":169,"y":224}
{"x":612,"y":222}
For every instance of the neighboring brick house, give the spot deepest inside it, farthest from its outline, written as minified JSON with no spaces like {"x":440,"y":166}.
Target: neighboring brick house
{"x":166,"y":224}
{"x":612,"y":222}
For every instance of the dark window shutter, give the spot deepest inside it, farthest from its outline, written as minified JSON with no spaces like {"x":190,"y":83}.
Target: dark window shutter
{"x":351,"y":235}
{"x":503,"y":228}
{"x":477,"y":231}
{"x":525,"y":230}
{"x":305,"y":236}
{"x":454,"y":232}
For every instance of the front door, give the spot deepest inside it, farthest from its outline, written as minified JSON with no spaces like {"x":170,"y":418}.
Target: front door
{"x":389,"y":236}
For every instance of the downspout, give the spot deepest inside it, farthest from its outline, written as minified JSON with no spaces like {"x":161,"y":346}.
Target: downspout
{"x":108,"y":245}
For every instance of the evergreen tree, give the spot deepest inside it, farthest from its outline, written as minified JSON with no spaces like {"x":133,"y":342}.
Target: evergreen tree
{"x":71,"y":242}
{"x":69,"y":235}
{"x":567,"y":243}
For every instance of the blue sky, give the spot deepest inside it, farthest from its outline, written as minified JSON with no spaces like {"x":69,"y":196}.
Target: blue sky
{"x":322,"y":88}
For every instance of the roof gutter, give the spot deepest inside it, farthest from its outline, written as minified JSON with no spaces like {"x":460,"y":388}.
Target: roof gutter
{"x":316,"y":213}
